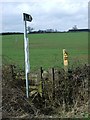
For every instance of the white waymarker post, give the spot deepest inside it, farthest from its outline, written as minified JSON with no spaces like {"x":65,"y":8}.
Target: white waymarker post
{"x":26,"y":18}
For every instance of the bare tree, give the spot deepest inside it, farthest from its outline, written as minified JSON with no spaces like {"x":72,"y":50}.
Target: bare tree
{"x":75,"y":27}
{"x":30,"y":29}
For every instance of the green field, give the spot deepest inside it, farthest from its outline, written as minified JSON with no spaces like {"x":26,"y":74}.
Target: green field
{"x":46,"y":49}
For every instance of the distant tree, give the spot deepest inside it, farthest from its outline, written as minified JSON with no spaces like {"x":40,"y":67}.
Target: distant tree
{"x":50,"y":30}
{"x":75,"y":27}
{"x":30,"y":29}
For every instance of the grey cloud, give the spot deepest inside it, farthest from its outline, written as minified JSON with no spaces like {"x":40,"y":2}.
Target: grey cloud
{"x":56,"y":16}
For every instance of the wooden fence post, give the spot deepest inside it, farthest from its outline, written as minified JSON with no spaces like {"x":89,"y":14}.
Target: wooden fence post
{"x":42,"y":82}
{"x":53,"y":77}
{"x":12,"y":70}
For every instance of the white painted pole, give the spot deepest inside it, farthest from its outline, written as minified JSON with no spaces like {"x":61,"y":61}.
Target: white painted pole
{"x":26,"y":49}
{"x":26,"y":17}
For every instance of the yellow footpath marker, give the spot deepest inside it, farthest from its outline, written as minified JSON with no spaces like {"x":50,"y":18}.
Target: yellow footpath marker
{"x":65,"y":60}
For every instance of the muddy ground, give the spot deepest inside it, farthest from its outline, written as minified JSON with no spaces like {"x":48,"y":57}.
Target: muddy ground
{"x":68,"y":99}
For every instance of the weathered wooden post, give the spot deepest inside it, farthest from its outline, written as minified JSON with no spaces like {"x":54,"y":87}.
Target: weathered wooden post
{"x":65,"y":60}
{"x":12,"y":70}
{"x":53,"y":77}
{"x":42,"y":82}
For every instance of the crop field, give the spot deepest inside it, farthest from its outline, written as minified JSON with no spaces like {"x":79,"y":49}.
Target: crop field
{"x":46,"y":49}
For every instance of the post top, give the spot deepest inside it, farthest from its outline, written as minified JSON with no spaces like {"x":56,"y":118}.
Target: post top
{"x":27,"y":17}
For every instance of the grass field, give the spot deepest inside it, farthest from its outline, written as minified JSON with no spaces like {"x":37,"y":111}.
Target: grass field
{"x":46,"y":49}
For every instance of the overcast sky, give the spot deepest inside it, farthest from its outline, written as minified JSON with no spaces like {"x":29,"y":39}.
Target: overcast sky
{"x":47,"y":14}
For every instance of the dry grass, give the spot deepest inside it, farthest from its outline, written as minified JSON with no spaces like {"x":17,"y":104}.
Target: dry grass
{"x":70,"y":99}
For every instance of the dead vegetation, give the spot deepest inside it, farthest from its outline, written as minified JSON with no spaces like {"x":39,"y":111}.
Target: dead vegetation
{"x":64,"y":96}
